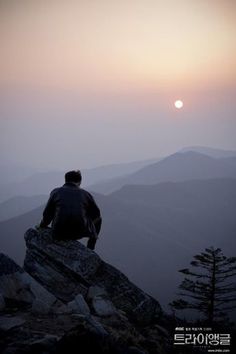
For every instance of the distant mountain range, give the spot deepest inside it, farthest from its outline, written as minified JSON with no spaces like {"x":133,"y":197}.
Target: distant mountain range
{"x":212,"y":152}
{"x":43,"y":182}
{"x":20,"y":205}
{"x":177,"y":167}
{"x":152,"y":231}
{"x":25,"y":181}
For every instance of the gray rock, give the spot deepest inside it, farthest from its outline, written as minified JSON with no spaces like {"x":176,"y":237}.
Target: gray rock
{"x":40,"y":307}
{"x":96,"y":326}
{"x":79,"y":305}
{"x":78,"y":316}
{"x":103,"y":307}
{"x":8,"y":266}
{"x":46,"y":341}
{"x":163,"y":331}
{"x":16,"y":284}
{"x":7,"y":322}
{"x":95,"y":291}
{"x":38,"y":290}
{"x":69,"y":268}
{"x":2,"y":303}
{"x":61,"y":309}
{"x":13,"y":287}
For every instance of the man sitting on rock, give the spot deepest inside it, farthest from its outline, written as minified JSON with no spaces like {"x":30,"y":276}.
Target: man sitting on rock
{"x":73,"y":212}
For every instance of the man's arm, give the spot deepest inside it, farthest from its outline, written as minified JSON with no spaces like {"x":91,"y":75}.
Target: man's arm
{"x":49,"y":211}
{"x":94,"y":213}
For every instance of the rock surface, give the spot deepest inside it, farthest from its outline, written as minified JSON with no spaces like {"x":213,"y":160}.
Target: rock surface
{"x":2,"y":303}
{"x":67,"y":300}
{"x":19,"y":288}
{"x":7,"y":322}
{"x":79,"y":305}
{"x":103,"y":307}
{"x":69,"y":268}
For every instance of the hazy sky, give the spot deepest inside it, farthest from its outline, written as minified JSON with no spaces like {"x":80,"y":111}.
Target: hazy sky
{"x":84,"y":83}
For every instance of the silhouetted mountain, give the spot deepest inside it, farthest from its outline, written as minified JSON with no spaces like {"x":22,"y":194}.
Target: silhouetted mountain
{"x":213,"y":152}
{"x":149,"y":232}
{"x":20,"y":205}
{"x":231,"y":160}
{"x":11,"y":241}
{"x":105,"y":172}
{"x":44,"y":182}
{"x":180,"y":195}
{"x":177,"y":167}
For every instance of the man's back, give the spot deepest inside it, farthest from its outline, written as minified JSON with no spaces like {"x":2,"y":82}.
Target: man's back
{"x":73,"y":212}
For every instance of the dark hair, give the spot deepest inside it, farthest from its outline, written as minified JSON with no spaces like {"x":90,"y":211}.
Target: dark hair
{"x":73,"y":176}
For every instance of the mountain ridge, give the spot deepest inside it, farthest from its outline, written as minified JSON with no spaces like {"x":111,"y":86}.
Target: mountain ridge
{"x":210,"y":151}
{"x":176,"y":167}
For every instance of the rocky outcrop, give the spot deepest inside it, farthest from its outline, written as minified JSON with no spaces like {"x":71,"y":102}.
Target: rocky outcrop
{"x":67,"y":300}
{"x":18,"y":288}
{"x":69,"y":268}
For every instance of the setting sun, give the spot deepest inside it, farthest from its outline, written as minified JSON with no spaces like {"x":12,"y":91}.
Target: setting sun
{"x":179,"y":104}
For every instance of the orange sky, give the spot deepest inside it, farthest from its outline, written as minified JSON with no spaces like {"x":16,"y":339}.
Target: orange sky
{"x":101,"y":76}
{"x":106,"y":45}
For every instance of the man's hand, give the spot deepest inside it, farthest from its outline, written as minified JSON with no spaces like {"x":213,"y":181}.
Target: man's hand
{"x":41,"y":226}
{"x":38,"y":227}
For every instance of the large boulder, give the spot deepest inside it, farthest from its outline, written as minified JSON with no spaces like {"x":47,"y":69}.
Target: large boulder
{"x":17,"y":288}
{"x":67,"y":299}
{"x":67,"y":269}
{"x":79,"y":305}
{"x":8,"y":322}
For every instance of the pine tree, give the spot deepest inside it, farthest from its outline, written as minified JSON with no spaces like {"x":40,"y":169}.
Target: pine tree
{"x":211,"y":291}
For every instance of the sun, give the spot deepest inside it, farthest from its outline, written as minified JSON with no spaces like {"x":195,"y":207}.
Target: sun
{"x":179,"y":104}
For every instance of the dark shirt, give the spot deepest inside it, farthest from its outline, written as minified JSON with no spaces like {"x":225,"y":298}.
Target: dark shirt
{"x":73,"y":213}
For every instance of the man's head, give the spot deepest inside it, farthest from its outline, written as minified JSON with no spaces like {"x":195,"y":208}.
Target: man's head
{"x":73,"y":177}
